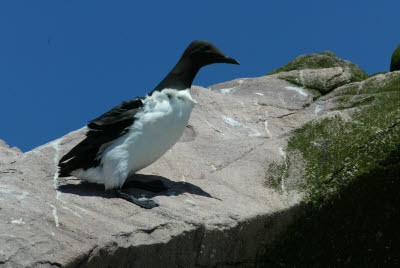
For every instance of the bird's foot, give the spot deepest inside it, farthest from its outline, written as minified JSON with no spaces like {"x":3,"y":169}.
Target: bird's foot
{"x":155,"y":186}
{"x":148,"y":204}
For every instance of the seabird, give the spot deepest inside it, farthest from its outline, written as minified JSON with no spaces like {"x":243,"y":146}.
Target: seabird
{"x":136,"y":133}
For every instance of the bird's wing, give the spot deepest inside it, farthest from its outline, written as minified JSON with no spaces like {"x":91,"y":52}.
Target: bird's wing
{"x":102,"y":130}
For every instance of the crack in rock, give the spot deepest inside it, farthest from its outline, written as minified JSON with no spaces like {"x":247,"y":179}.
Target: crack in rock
{"x":221,"y":167}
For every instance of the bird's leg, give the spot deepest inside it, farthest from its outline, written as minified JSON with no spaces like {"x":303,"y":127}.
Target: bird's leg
{"x":155,"y":186}
{"x":148,"y":204}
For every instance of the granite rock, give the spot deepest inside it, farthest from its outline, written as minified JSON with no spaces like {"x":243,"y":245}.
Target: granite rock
{"x":218,"y":210}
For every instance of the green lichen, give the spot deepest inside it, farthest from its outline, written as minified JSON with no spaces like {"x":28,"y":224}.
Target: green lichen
{"x":274,"y":175}
{"x":347,"y":102}
{"x":294,"y":80}
{"x":319,"y":60}
{"x":372,"y":75}
{"x":350,"y":218}
{"x":395,"y":62}
{"x":357,"y":74}
{"x":358,"y":146}
{"x":322,"y":60}
{"x":315,"y":93}
{"x":387,"y":82}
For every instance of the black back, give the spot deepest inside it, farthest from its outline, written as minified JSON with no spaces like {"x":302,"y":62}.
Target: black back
{"x":102,"y":130}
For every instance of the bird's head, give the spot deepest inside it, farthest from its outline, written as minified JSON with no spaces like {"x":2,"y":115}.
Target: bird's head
{"x":202,"y":53}
{"x":197,"y":55}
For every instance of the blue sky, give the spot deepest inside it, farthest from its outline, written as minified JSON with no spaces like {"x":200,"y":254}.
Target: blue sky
{"x":65,"y":62}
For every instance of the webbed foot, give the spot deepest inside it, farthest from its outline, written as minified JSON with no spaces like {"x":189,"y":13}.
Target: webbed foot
{"x":148,"y":204}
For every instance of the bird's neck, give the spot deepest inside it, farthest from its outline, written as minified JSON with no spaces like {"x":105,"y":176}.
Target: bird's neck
{"x":181,"y":76}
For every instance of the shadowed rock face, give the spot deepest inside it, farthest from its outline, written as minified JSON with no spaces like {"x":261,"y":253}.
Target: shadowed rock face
{"x":218,"y":210}
{"x":356,"y":217}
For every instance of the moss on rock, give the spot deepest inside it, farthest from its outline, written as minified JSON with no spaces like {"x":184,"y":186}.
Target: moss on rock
{"x":351,"y":215}
{"x":358,"y":228}
{"x":395,"y":63}
{"x":362,"y":141}
{"x":378,"y":73}
{"x":322,"y":60}
{"x":322,"y":80}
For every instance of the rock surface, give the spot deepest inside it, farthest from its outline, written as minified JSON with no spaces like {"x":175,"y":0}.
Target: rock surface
{"x":360,"y":120}
{"x":6,"y":152}
{"x":322,"y":80}
{"x":352,"y":181}
{"x":322,"y":71}
{"x":221,"y":208}
{"x":217,"y":210}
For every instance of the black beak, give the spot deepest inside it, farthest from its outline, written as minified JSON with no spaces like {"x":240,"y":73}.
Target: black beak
{"x":230,"y":60}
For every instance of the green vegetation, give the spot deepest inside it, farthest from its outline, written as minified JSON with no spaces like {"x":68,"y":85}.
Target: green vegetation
{"x":395,"y":63}
{"x":319,"y":60}
{"x":351,"y":215}
{"x":346,"y":102}
{"x":368,"y":141}
{"x":358,"y":228}
{"x":372,"y":75}
{"x":316,"y":94}
{"x":322,"y":60}
{"x":275,"y":173}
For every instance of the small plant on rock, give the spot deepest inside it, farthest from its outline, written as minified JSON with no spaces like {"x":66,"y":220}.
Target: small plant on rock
{"x":395,"y":63}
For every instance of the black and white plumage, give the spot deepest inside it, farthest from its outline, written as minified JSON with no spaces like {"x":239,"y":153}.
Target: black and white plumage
{"x":136,"y":133}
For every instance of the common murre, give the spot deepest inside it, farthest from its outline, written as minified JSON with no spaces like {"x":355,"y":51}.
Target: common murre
{"x":136,"y":133}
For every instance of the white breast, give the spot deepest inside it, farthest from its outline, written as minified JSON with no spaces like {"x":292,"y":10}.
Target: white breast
{"x":160,"y":124}
{"x":157,"y":127}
